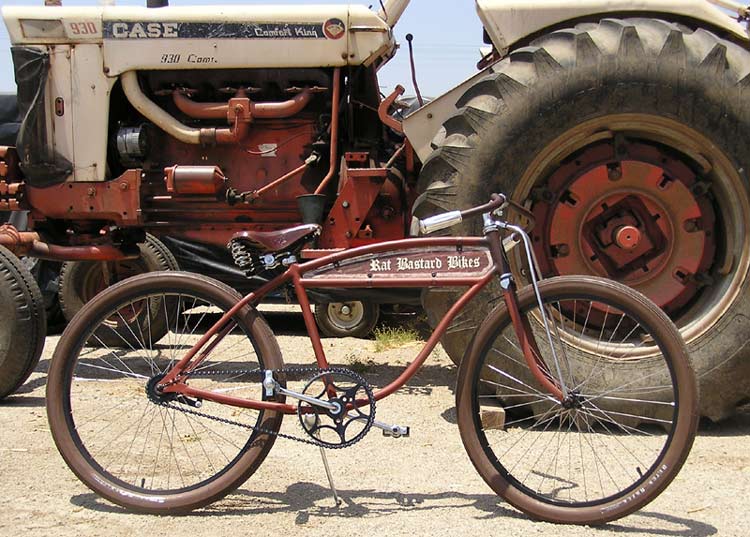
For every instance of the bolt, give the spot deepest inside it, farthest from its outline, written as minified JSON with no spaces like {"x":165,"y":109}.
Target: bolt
{"x":614,"y":171}
{"x":692,"y":225}
{"x":561,"y":250}
{"x":92,"y":192}
{"x":348,"y":234}
{"x":123,"y":186}
{"x":346,"y":310}
{"x":345,"y":205}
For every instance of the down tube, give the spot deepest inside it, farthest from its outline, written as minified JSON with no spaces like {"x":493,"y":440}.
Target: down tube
{"x":440,"y":329}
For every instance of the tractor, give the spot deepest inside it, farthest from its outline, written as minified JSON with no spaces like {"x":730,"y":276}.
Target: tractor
{"x":622,"y":127}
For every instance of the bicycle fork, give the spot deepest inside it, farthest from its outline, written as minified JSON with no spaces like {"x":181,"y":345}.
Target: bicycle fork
{"x":533,"y":357}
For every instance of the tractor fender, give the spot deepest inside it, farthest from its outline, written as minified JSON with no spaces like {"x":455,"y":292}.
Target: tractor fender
{"x":511,"y":23}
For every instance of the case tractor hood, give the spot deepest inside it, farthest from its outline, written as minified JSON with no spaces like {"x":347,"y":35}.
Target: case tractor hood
{"x":210,"y":37}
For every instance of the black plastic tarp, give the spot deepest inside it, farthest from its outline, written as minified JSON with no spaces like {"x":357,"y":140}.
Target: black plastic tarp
{"x":9,"y":119}
{"x":41,"y":165}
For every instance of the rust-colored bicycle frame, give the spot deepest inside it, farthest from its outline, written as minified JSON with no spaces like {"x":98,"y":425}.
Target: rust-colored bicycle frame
{"x":295,"y":275}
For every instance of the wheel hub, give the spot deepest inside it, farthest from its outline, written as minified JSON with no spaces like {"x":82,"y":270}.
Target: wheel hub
{"x":346,"y":315}
{"x":637,"y":214}
{"x":627,"y":237}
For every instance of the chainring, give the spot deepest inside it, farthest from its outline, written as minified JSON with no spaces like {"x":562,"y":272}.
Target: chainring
{"x":353,"y":416}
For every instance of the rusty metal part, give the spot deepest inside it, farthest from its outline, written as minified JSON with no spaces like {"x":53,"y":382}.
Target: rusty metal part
{"x":117,"y":201}
{"x":385,"y":107}
{"x":638,"y":217}
{"x":9,"y":194}
{"x":9,"y":170}
{"x":257,"y":110}
{"x":28,"y":243}
{"x":198,"y":180}
{"x":103,"y":252}
{"x":10,"y":190}
{"x":239,"y":116}
{"x":627,"y":237}
{"x":334,"y":131}
{"x":255,"y":194}
{"x":347,"y":216}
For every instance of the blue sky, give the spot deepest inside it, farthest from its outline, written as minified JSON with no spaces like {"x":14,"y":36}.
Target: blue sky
{"x":447,"y":37}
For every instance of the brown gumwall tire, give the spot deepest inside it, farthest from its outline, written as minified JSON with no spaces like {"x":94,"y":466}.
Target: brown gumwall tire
{"x":599,"y":455}
{"x":120,"y":453}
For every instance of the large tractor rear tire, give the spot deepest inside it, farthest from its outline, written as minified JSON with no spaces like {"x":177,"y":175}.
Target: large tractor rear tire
{"x":628,"y":139}
{"x":23,"y":323}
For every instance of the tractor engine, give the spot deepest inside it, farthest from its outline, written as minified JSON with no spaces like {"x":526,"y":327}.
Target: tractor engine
{"x":257,"y":127}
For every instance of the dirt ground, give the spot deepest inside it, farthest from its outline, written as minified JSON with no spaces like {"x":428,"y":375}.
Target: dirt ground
{"x":422,"y":485}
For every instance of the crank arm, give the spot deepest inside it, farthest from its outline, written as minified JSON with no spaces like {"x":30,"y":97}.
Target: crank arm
{"x":307,"y":399}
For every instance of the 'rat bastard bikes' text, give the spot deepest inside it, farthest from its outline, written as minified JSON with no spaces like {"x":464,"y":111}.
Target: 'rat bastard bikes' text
{"x":401,"y":264}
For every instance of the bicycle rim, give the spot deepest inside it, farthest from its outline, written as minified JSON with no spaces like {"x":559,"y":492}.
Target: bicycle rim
{"x":609,"y":448}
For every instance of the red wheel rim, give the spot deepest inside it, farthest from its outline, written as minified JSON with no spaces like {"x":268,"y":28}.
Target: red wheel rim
{"x":631,"y":211}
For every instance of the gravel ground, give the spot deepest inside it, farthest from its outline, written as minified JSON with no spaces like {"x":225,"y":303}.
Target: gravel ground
{"x":422,"y":485}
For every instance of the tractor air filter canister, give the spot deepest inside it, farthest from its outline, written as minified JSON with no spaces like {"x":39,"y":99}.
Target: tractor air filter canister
{"x":194,"y":180}
{"x":132,"y":145}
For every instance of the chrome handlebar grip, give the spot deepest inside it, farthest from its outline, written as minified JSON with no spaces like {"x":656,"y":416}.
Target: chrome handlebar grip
{"x":440,"y":221}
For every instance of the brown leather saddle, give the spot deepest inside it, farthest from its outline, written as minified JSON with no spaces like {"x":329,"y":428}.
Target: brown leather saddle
{"x":277,"y":241}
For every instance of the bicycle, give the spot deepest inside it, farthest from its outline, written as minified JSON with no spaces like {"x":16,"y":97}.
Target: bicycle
{"x":186,"y":408}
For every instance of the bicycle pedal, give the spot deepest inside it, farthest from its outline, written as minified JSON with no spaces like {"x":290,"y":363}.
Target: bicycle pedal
{"x":396,"y":431}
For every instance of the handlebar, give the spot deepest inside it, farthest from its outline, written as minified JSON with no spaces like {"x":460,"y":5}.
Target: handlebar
{"x":446,"y":220}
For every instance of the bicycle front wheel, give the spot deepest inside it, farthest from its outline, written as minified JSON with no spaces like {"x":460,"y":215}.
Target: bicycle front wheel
{"x":629,"y":415}
{"x":140,"y":448}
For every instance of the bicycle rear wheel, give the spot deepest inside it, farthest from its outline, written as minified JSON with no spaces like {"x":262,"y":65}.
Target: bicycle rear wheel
{"x":141,"y":449}
{"x":625,"y":428}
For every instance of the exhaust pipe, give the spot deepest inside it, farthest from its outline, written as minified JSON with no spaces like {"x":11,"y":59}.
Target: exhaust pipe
{"x":28,"y":243}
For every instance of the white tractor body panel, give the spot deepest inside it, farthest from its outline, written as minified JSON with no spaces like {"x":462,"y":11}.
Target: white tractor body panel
{"x":509,"y":21}
{"x":215,"y":37}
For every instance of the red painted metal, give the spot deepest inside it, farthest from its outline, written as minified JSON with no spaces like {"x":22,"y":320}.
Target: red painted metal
{"x":9,"y":171}
{"x":432,"y":342}
{"x":637,"y":216}
{"x":255,"y":194}
{"x":117,"y":201}
{"x":480,"y":278}
{"x":334,"y":155}
{"x":29,"y":243}
{"x":528,"y":345}
{"x":260,"y":110}
{"x":385,"y":108}
{"x":198,"y":180}
{"x":356,"y":197}
{"x":627,"y":237}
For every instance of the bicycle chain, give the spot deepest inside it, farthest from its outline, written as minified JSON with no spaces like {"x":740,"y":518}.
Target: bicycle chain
{"x":261,"y":372}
